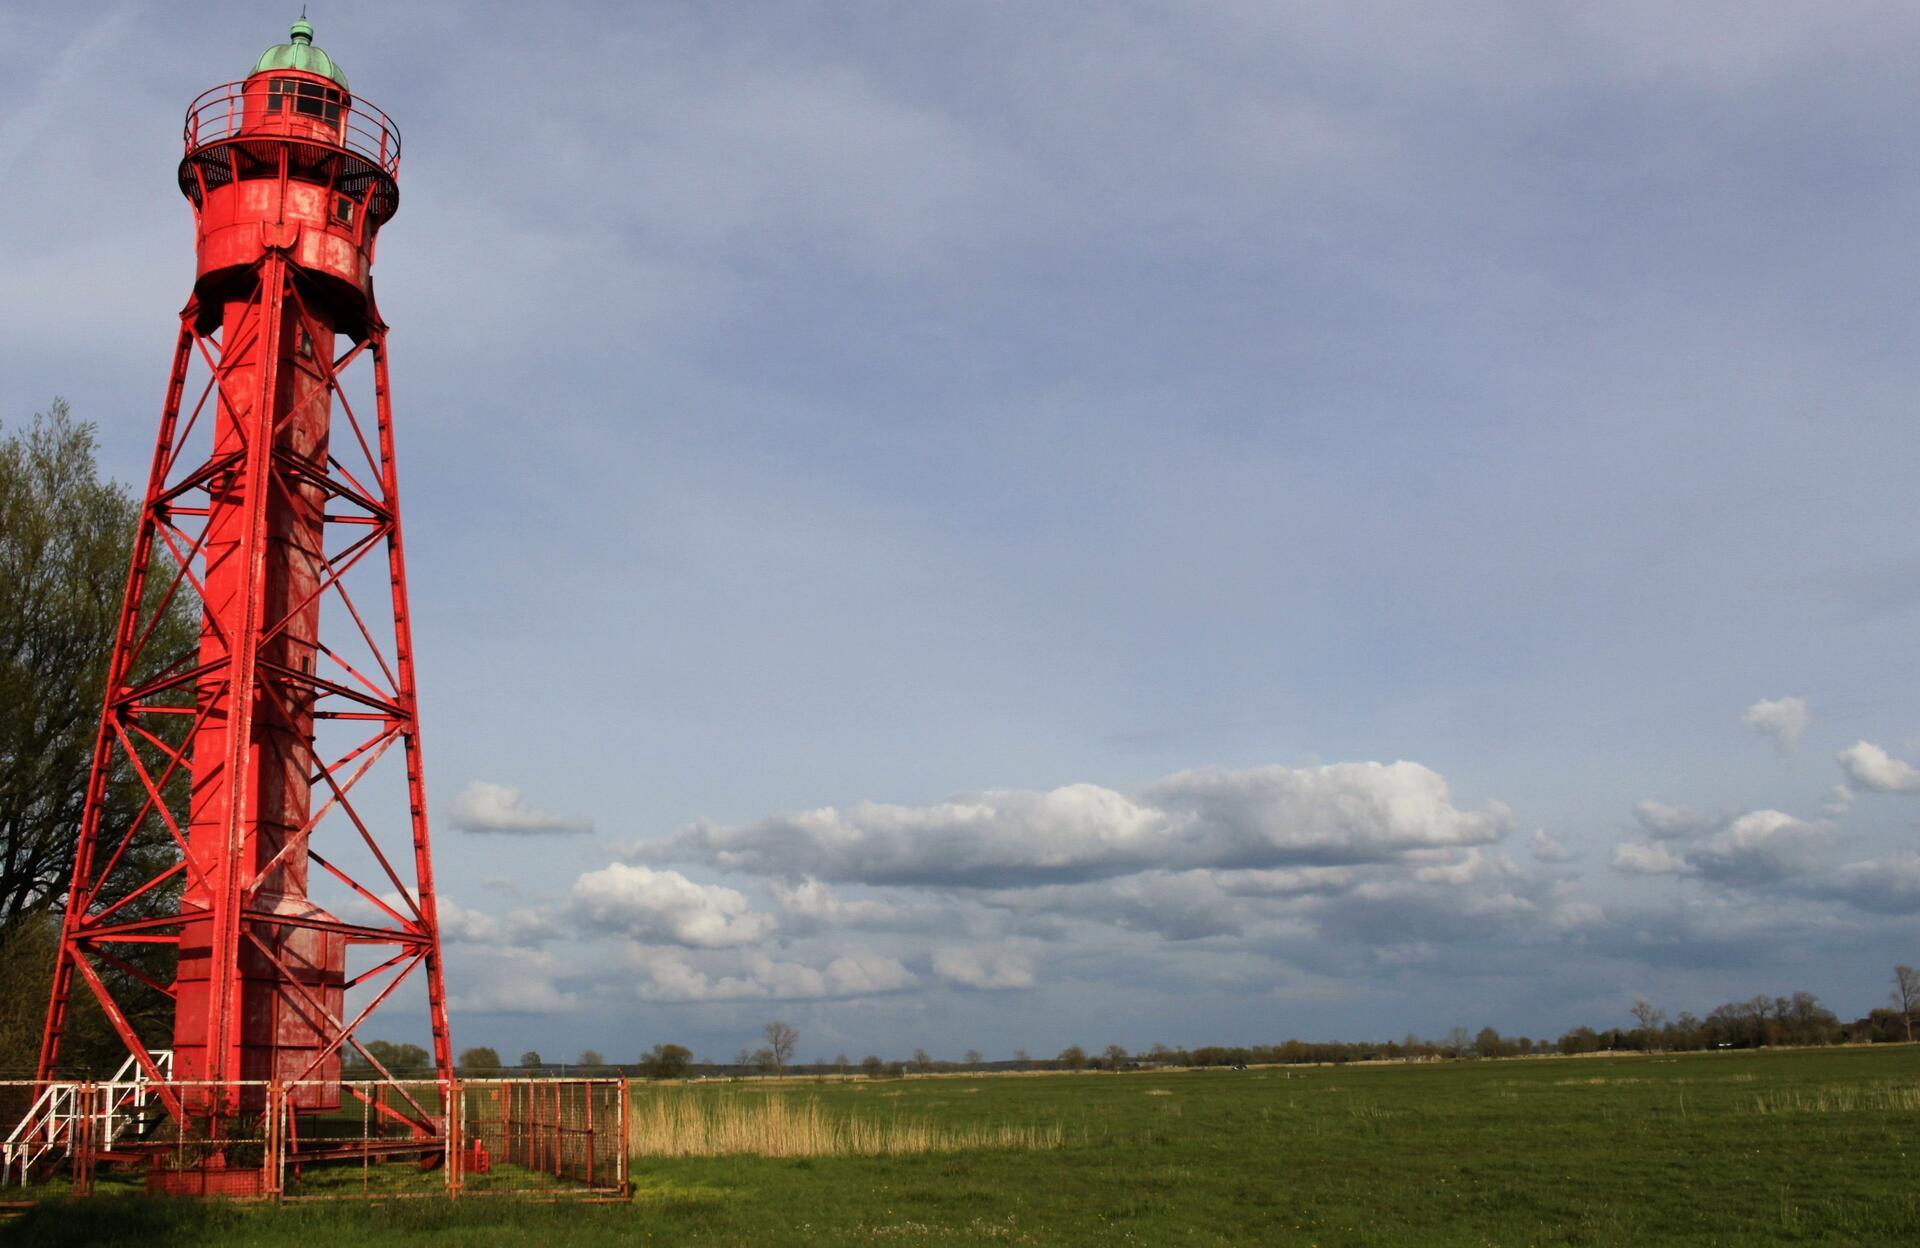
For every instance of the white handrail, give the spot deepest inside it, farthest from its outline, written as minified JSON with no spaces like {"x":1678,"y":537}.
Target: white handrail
{"x":49,"y":1123}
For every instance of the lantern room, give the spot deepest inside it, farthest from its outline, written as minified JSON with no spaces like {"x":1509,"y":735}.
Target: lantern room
{"x":287,"y":158}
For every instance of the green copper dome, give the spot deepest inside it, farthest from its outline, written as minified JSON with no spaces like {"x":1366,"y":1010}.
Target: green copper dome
{"x":300,"y":54}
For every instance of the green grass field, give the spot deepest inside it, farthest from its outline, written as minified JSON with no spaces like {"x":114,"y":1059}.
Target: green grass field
{"x":1810,"y":1147}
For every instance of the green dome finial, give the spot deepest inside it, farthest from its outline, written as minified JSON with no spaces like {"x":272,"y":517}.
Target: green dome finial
{"x":301,"y":54}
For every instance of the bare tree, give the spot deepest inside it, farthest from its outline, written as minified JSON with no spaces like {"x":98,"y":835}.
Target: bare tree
{"x":974,"y":1059}
{"x":781,"y":1040}
{"x":1906,"y":995}
{"x":1651,"y":1019}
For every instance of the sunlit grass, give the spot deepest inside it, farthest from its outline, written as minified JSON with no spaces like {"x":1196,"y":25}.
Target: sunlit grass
{"x":696,"y":1123}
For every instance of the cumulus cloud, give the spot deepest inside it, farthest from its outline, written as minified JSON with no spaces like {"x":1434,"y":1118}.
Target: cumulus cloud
{"x":516,"y":981}
{"x":1870,"y":767}
{"x":1470,"y":867}
{"x":1547,"y":848}
{"x":1648,"y":860}
{"x":485,"y":807}
{"x":670,"y":977}
{"x":665,"y":907}
{"x":982,"y":970}
{"x":1664,"y":822}
{"x":1184,"y":905}
{"x":458,"y":923}
{"x":1783,"y":720}
{"x":1886,"y":886}
{"x":811,"y":904}
{"x":1760,"y":847}
{"x":1839,"y":801}
{"x":1263,"y":817}
{"x":1286,"y":882}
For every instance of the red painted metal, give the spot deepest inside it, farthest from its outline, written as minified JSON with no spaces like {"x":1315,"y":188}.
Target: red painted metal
{"x":268,"y":498}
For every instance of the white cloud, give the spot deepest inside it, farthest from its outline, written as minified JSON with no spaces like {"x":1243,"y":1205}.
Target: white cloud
{"x":1665,"y":822}
{"x":1870,"y":767}
{"x":1287,"y":882}
{"x":1839,"y":801}
{"x":458,"y":923}
{"x":1468,"y":868}
{"x":1888,"y":886}
{"x":1546,"y":848}
{"x":983,"y":970}
{"x":1184,"y":905}
{"x":811,"y":903}
{"x":514,"y":981}
{"x":1759,"y":848}
{"x":1576,"y":915}
{"x":1784,"y":720}
{"x":1262,"y":817}
{"x":671,"y":977}
{"x":1648,"y":860}
{"x":485,"y":807}
{"x":665,"y":907}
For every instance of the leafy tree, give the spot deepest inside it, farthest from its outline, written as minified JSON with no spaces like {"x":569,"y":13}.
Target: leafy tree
{"x":65,"y":541}
{"x":781,"y":1040}
{"x":401,"y":1059}
{"x":1073,"y":1057}
{"x":1488,"y":1043}
{"x":479,"y":1060}
{"x":590,"y":1059}
{"x":530,"y":1060}
{"x":1115,"y":1057}
{"x":872,"y":1067}
{"x":666,"y":1061}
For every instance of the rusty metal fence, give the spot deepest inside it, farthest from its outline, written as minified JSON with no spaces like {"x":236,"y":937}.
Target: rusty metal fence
{"x":376,"y":1139}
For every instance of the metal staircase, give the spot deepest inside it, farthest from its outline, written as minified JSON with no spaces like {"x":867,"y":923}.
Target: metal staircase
{"x":115,"y":1107}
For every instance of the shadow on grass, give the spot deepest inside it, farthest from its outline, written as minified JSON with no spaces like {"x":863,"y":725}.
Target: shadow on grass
{"x":154,"y":1222}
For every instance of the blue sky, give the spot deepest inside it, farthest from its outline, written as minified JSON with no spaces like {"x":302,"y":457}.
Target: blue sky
{"x":992,"y":526}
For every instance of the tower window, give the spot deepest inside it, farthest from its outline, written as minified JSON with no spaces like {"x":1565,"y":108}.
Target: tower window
{"x":343,"y":210}
{"x":300,"y":96}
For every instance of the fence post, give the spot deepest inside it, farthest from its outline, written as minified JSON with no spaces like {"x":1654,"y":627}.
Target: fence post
{"x":454,"y":1151}
{"x":623,"y":1149}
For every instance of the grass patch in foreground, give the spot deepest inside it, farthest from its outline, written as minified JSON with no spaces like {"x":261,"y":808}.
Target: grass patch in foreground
{"x":1800,"y":1148}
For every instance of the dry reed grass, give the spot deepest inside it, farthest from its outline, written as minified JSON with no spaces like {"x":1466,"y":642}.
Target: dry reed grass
{"x":791,"y":1126}
{"x":1840,"y":1099}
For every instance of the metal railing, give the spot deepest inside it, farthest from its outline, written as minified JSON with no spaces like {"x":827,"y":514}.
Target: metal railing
{"x":221,"y":114}
{"x":383,"y":1139}
{"x":106,"y":1110}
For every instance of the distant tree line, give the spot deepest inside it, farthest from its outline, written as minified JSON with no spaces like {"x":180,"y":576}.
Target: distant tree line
{"x":1757,"y":1022}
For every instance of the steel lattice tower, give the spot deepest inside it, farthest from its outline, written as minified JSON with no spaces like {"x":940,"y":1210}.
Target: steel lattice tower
{"x":274,"y":499}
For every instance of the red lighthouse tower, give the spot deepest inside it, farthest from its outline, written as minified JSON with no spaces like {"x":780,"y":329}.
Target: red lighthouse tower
{"x":273,"y":496}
